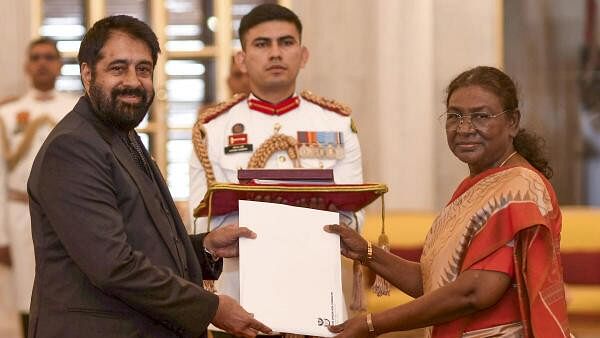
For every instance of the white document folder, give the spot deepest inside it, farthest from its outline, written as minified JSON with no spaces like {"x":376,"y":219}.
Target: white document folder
{"x":290,"y":275}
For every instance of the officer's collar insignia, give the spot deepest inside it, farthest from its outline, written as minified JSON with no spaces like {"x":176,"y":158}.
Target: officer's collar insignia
{"x":274,"y":109}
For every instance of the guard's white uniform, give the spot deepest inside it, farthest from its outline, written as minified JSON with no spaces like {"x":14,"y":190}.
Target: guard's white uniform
{"x":259,"y":127}
{"x":16,"y":221}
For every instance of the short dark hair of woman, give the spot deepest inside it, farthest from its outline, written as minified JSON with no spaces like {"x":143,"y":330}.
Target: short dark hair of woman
{"x":526,"y":143}
{"x":264,"y":13}
{"x":96,"y":37}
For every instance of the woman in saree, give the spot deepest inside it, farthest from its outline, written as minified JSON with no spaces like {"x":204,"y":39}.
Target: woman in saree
{"x":490,"y":265}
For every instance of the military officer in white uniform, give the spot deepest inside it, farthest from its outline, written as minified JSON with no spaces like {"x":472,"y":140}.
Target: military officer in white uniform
{"x":272,"y":55}
{"x":25,"y":124}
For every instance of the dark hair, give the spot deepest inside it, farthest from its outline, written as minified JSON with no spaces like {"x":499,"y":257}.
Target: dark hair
{"x":267,"y":12}
{"x":96,"y":37}
{"x":527,"y":144}
{"x":43,"y":41}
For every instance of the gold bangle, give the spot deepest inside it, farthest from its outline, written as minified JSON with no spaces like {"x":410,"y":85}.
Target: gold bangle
{"x":370,"y":324}
{"x":369,"y":255}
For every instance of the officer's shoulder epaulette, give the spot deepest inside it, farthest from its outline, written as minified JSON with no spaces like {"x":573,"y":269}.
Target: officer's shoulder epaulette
{"x":220,"y":108}
{"x":326,"y":103}
{"x":8,"y":99}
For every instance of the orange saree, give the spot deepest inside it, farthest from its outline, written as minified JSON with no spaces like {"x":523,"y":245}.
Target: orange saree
{"x":514,"y":205}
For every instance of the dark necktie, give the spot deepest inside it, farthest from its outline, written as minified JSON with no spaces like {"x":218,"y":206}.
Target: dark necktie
{"x":137,"y":153}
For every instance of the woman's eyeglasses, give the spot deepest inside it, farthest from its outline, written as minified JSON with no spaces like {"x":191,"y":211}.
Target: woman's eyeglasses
{"x":479,"y":119}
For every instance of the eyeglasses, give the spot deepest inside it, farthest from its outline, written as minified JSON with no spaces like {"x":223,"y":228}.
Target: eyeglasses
{"x":38,"y":57}
{"x":479,"y":119}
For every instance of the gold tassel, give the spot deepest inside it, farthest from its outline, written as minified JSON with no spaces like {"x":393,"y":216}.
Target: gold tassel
{"x":381,"y":286}
{"x":358,"y":296}
{"x":209,"y":285}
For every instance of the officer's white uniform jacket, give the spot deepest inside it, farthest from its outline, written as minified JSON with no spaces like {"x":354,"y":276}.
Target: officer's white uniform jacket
{"x":15,"y":221}
{"x":259,"y":127}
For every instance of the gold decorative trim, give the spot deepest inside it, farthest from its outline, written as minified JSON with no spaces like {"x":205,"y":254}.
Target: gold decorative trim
{"x":8,"y":99}
{"x":220,"y":108}
{"x":270,"y":146}
{"x":13,"y":158}
{"x":199,"y":144}
{"x":326,"y":103}
{"x":377,"y":188}
{"x":199,"y":133}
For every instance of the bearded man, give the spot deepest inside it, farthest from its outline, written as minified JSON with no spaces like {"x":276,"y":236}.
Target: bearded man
{"x":113,"y":258}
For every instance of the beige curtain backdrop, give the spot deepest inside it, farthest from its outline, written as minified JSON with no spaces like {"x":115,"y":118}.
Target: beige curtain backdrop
{"x":391,"y":60}
{"x":543,"y":40}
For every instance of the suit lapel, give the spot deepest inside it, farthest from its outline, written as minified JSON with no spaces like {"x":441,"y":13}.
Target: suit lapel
{"x":194,"y":269}
{"x":150,"y":196}
{"x":148,"y":193}
{"x":164,"y":190}
{"x":193,"y":264}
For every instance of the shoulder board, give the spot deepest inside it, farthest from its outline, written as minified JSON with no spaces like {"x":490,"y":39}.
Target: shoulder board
{"x":326,"y":103}
{"x":8,"y":99}
{"x":220,"y":108}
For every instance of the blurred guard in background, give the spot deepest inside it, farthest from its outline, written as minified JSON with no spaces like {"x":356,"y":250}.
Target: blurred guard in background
{"x":24,"y":124}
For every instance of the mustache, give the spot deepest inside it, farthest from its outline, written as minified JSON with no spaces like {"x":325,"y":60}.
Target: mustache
{"x":128,"y":91}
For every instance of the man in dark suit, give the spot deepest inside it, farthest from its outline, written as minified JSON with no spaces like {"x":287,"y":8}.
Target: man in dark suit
{"x":113,"y":258}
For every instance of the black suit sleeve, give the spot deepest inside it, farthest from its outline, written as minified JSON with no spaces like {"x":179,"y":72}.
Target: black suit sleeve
{"x":79,"y":198}
{"x":211,"y":269}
